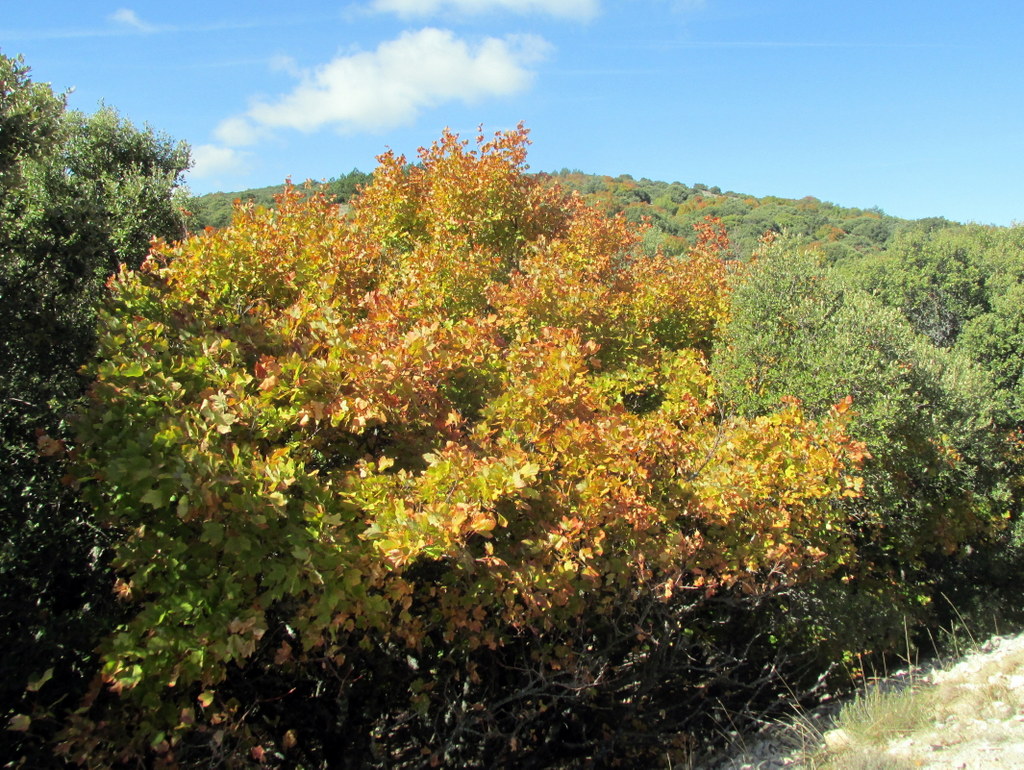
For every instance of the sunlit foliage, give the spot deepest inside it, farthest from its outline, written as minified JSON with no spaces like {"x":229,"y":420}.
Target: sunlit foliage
{"x":447,"y":475}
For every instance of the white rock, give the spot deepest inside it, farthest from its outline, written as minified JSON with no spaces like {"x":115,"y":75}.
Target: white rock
{"x":837,"y":740}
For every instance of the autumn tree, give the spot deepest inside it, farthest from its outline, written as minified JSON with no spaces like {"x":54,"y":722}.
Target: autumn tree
{"x":443,"y":481}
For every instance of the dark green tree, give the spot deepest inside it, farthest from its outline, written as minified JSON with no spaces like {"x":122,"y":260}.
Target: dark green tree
{"x":79,"y":195}
{"x":996,"y":341}
{"x":937,"y":480}
{"x":935,"y":277}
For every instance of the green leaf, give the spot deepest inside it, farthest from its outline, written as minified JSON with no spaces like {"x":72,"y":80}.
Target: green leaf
{"x":213,"y":532}
{"x":34,"y":685}
{"x":154,"y":497}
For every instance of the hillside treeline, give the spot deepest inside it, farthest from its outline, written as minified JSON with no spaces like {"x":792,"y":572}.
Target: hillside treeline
{"x":671,"y":210}
{"x":478,"y":470}
{"x":217,"y":209}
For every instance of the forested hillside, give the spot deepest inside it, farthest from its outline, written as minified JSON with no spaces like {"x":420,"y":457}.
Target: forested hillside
{"x":217,"y":209}
{"x":474,"y":470}
{"x":671,"y":209}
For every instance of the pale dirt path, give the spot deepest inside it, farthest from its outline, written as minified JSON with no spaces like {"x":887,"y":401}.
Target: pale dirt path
{"x":979,"y":713}
{"x":976,"y":722}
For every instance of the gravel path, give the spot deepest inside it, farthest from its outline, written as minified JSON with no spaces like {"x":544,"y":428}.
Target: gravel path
{"x":979,"y":712}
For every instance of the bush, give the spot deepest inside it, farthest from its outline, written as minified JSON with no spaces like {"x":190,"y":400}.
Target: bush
{"x":938,"y":482}
{"x":442,"y":481}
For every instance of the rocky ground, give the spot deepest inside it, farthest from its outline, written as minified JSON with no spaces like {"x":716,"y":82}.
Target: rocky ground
{"x":966,"y":715}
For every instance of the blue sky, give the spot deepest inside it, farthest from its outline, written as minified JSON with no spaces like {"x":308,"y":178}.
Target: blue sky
{"x":913,"y":106}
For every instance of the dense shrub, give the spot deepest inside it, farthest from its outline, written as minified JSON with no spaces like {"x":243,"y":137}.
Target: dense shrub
{"x":442,"y":481}
{"x":938,"y":482}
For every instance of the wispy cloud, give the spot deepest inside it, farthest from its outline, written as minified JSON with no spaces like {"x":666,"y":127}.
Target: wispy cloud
{"x":128,"y":18}
{"x":569,"y":9}
{"x":666,"y":45}
{"x":798,"y":44}
{"x":127,"y":22}
{"x":282,"y":63}
{"x":390,"y":86}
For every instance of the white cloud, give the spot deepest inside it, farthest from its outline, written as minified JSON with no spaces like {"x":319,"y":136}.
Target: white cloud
{"x":238,"y":132}
{"x":570,"y":9}
{"x":129,"y":18}
{"x":209,"y":160}
{"x":391,"y":85}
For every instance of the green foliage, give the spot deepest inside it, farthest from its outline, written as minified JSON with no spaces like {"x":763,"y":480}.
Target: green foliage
{"x":673,"y":209}
{"x":937,"y":478}
{"x":932,"y":278}
{"x":942,"y":277}
{"x":961,"y":286}
{"x":996,"y":340}
{"x":216,"y":209}
{"x":78,"y":195}
{"x":29,"y":118}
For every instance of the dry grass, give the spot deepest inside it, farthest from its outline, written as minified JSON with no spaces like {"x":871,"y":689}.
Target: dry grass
{"x":868,"y":724}
{"x":978,"y":702}
{"x":966,"y":711}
